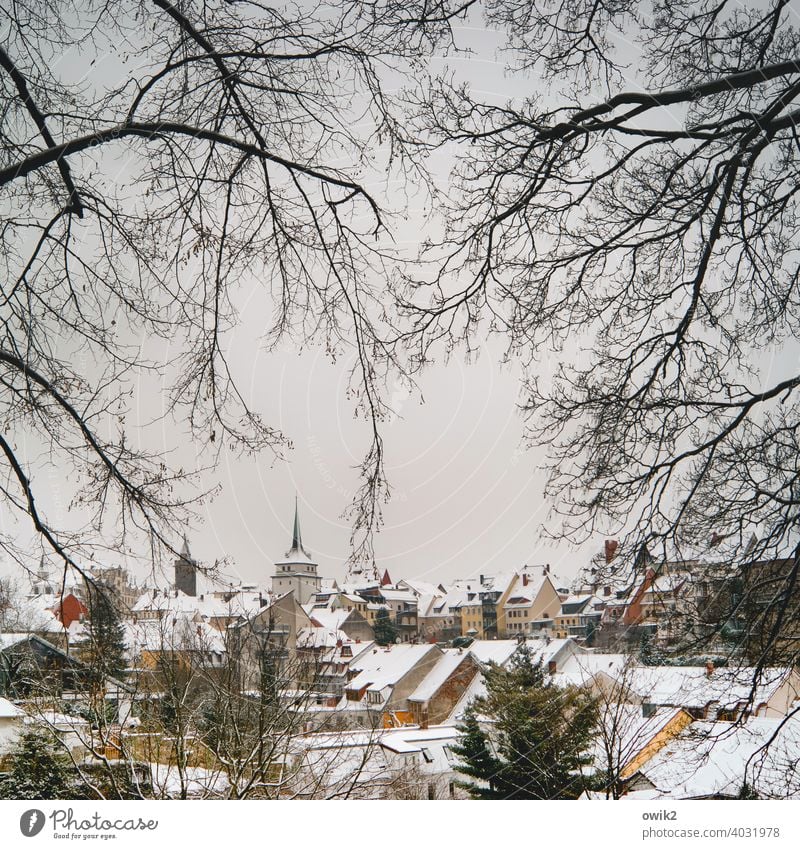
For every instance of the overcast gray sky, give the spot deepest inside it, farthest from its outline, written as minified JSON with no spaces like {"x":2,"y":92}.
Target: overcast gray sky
{"x":466,"y":497}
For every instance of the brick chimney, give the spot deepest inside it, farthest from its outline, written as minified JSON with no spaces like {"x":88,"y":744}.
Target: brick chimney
{"x":611,"y":547}
{"x":709,"y":668}
{"x":551,"y":667}
{"x":524,"y":580}
{"x":606,"y":590}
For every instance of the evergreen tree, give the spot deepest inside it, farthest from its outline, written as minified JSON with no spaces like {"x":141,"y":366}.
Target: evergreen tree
{"x":107,"y":650}
{"x":39,"y":771}
{"x":385,"y":630}
{"x":539,"y":739}
{"x":649,"y":653}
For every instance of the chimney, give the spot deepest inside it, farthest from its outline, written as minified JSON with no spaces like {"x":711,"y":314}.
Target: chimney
{"x":709,"y":668}
{"x":423,"y":719}
{"x":524,"y":580}
{"x":547,"y":568}
{"x":551,"y":667}
{"x":606,"y":590}
{"x":611,"y":547}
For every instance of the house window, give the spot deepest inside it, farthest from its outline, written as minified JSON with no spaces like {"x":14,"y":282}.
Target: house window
{"x":374,"y":697}
{"x":347,"y":651}
{"x":426,"y":754}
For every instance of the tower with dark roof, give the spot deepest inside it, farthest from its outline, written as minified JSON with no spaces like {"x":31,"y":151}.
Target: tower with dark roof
{"x":297,"y":571}
{"x":186,"y":571}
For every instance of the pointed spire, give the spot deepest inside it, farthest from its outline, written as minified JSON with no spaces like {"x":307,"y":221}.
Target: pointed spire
{"x":185,"y":553}
{"x":297,"y":542}
{"x":297,"y":539}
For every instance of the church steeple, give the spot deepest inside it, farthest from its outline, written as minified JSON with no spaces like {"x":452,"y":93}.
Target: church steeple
{"x":297,"y":539}
{"x":297,"y":572}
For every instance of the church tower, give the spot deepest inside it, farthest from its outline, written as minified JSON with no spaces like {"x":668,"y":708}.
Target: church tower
{"x":297,"y":571}
{"x":186,"y":571}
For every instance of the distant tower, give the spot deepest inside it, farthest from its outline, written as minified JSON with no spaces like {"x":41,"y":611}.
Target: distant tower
{"x":297,"y":571}
{"x":186,"y":571}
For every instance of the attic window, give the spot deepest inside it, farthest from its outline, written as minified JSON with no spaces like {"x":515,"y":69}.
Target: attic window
{"x":347,"y":651}
{"x":427,"y":755}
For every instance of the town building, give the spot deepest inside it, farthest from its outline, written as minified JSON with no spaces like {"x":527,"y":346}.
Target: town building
{"x":297,"y":572}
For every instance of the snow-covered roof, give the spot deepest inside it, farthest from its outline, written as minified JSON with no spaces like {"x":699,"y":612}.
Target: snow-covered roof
{"x":419,"y":588}
{"x":331,"y":619}
{"x":179,"y":633}
{"x":692,"y":686}
{"x":626,"y":732}
{"x":498,"y":583}
{"x":589,"y":663}
{"x":717,"y":758}
{"x":493,"y":651}
{"x":576,"y":601}
{"x":12,"y":639}
{"x":384,"y":667}
{"x":666,"y":584}
{"x":169,"y":781}
{"x":413,"y":739}
{"x":319,"y":637}
{"x":398,"y":595}
{"x":355,"y":598}
{"x":447,"y":664}
{"x":358,"y":762}
{"x":58,"y":721}
{"x":8,"y":710}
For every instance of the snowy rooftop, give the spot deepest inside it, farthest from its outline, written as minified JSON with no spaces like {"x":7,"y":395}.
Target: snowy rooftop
{"x":589,"y":663}
{"x":331,"y":619}
{"x":716,"y":758}
{"x":180,"y":632}
{"x":493,"y":651}
{"x":626,"y":731}
{"x":419,"y":588}
{"x":398,"y":595}
{"x":8,"y":710}
{"x":692,"y":686}
{"x":384,"y":667}
{"x":444,"y":668}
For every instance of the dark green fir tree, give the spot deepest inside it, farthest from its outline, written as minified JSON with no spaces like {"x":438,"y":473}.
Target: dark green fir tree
{"x":527,"y":738}
{"x":107,"y":651}
{"x":385,"y":630}
{"x":38,"y":770}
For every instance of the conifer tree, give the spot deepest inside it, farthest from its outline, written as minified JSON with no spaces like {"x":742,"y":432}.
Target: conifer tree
{"x":107,"y":651}
{"x":39,"y":771}
{"x":385,"y":630}
{"x":538,"y":739}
